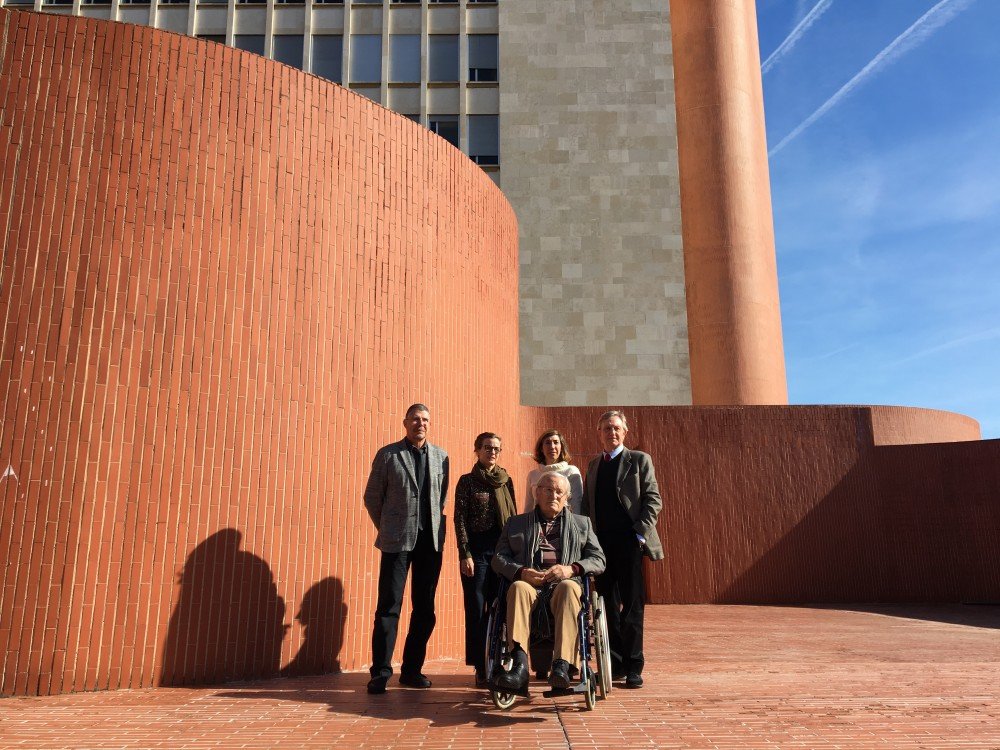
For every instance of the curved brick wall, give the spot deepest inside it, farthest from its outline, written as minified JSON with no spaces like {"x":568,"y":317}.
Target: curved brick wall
{"x":223,"y":280}
{"x":793,"y":504}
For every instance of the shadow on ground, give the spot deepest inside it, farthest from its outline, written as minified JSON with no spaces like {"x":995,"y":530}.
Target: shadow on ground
{"x":972,"y":615}
{"x":451,"y":702}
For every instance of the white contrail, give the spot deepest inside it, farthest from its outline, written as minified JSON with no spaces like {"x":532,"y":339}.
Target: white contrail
{"x":919,"y":32}
{"x":811,"y":17}
{"x":972,"y":338}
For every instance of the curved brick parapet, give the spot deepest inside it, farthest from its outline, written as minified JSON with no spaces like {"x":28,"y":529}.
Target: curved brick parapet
{"x":223,"y":280}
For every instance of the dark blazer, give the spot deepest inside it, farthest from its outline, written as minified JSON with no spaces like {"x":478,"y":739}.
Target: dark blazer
{"x":391,"y":496}
{"x":637,"y":492}
{"x":519,"y":543}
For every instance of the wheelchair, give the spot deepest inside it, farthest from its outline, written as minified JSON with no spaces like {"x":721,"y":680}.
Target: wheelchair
{"x":592,"y":642}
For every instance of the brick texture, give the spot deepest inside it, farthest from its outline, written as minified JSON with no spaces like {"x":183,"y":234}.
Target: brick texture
{"x":223,"y":280}
{"x":791,"y":504}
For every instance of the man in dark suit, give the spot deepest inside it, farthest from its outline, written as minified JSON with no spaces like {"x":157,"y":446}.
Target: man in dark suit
{"x":549,"y":546}
{"x":622,"y":499}
{"x":405,"y":498}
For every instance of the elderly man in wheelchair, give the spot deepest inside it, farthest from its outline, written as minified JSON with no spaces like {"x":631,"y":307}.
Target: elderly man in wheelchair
{"x":545,"y":554}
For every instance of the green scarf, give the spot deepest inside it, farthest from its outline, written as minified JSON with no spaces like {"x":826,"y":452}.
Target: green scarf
{"x":497,"y":478}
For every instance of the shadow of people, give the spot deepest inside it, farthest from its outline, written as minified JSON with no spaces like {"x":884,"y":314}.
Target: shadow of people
{"x":322,"y":615}
{"x":228,"y":621}
{"x":452,"y":702}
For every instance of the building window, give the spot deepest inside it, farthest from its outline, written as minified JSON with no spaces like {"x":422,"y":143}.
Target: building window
{"x":20,"y":2}
{"x":328,"y":2}
{"x":366,"y":58}
{"x":406,"y":2}
{"x":58,"y":2}
{"x":442,"y":53}
{"x":238,"y":2}
{"x":287,"y":48}
{"x":404,"y":58}
{"x":445,"y":126}
{"x":250,"y":43}
{"x":367,"y":2}
{"x":212,"y":2}
{"x":415,"y":118}
{"x":484,"y":139}
{"x":328,"y":57}
{"x":483,"y":57}
{"x":217,"y":38}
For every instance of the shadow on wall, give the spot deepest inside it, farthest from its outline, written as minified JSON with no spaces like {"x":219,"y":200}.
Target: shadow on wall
{"x":908,"y":523}
{"x":322,"y":615}
{"x":229,"y":619}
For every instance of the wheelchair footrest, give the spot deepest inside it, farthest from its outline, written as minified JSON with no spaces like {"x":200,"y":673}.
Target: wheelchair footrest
{"x":577,"y":689}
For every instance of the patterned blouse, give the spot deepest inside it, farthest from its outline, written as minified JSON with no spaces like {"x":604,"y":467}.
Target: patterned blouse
{"x":475,"y":510}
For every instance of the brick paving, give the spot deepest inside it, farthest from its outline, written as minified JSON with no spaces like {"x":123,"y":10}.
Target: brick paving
{"x":717,"y":677}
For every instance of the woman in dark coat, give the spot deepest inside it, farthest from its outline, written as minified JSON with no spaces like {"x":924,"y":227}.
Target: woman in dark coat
{"x":484,"y":500}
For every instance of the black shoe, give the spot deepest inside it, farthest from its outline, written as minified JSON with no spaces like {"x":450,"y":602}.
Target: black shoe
{"x":414,"y":680}
{"x":559,"y":676}
{"x":517,"y":678}
{"x":481,"y":681}
{"x":376,"y":685}
{"x":633,"y":680}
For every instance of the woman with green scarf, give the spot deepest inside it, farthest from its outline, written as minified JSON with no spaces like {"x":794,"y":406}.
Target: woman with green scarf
{"x":484,"y":500}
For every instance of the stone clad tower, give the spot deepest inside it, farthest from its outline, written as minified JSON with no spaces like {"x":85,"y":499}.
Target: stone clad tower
{"x":632,"y":135}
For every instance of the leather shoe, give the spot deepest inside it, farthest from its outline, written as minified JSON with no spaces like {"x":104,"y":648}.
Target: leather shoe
{"x":517,"y":677}
{"x":633,"y":680}
{"x":559,"y":676}
{"x":481,"y":680}
{"x":376,"y":685}
{"x":414,"y":680}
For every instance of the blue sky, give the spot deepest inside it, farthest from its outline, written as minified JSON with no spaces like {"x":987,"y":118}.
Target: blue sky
{"x":883,"y":125}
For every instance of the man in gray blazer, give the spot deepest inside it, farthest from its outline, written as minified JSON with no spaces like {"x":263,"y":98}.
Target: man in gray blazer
{"x":549,"y":546}
{"x":405,"y":498}
{"x":622,"y":498}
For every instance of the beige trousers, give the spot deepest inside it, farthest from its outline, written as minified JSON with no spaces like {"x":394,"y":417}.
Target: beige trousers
{"x":565,"y":608}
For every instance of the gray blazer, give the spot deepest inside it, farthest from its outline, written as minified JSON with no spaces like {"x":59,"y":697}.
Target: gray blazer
{"x":519,"y":543}
{"x":637,"y":492}
{"x":391,"y":496}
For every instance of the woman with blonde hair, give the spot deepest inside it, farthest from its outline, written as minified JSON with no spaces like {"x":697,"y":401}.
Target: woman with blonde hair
{"x":552,"y":454}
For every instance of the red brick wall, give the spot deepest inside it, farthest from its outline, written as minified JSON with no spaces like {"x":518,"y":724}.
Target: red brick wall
{"x":222,"y":282}
{"x":776,"y":504}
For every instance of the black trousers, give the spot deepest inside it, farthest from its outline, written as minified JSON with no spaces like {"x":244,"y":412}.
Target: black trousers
{"x":479,"y":592}
{"x":624,"y":590}
{"x":425,"y":562}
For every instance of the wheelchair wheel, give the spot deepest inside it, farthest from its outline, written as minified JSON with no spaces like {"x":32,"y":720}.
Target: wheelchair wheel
{"x":497,"y":659}
{"x":601,"y":644}
{"x":590,"y":697}
{"x":503,"y":701}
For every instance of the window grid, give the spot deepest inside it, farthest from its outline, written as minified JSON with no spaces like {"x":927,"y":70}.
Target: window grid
{"x":446,"y":61}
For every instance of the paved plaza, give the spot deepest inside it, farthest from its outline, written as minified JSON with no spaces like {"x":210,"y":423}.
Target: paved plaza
{"x":717,"y":677}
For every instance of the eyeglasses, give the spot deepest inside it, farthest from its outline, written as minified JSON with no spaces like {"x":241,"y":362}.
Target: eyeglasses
{"x":491,"y":448}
